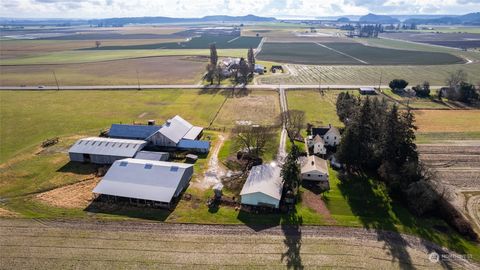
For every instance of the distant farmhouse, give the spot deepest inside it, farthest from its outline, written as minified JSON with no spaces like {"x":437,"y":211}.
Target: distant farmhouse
{"x":330,"y":135}
{"x":263,"y":186}
{"x":316,"y":169}
{"x":156,"y":183}
{"x":175,"y":133}
{"x":104,"y":150}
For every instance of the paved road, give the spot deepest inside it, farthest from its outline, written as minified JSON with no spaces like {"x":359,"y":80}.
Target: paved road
{"x":82,"y":244}
{"x":188,"y":86}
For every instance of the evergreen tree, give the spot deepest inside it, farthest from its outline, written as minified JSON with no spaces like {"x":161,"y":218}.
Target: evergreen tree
{"x":290,"y":172}
{"x":251,"y":60}
{"x":213,"y":55}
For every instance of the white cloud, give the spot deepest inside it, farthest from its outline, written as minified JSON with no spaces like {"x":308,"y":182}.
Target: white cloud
{"x":199,"y":8}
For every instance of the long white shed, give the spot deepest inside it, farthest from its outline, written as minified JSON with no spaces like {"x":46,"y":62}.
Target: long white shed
{"x":263,"y":186}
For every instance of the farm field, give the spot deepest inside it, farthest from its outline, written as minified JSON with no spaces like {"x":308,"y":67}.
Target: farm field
{"x":319,"y":108}
{"x":454,"y":40}
{"x":258,"y":107}
{"x":447,"y":121}
{"x":48,"y":114}
{"x":64,"y":244}
{"x":350,"y":54}
{"x":151,"y":70}
{"x":202,"y":42}
{"x":457,"y":166}
{"x":70,"y":57}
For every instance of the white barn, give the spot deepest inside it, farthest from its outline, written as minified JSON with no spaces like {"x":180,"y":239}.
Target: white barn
{"x":263,"y":186}
{"x":104,"y":150}
{"x":155,"y":181}
{"x":316,"y":169}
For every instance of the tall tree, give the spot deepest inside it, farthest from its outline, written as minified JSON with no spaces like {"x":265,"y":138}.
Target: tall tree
{"x":253,"y":139}
{"x":243,"y":71}
{"x":295,"y":123}
{"x":213,"y":55}
{"x":251,"y":60}
{"x":290,"y":172}
{"x":455,"y":78}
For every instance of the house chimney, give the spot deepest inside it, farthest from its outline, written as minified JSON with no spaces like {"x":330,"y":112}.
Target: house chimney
{"x":151,"y":122}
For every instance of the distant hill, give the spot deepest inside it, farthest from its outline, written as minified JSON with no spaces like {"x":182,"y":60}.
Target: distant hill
{"x":343,"y":19}
{"x":154,"y":20}
{"x":135,"y":20}
{"x":467,"y":19}
{"x":381,"y":19}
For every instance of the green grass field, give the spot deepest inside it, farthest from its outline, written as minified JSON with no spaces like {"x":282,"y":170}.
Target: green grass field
{"x":29,"y":117}
{"x":416,"y":103}
{"x":69,"y":57}
{"x":337,"y":53}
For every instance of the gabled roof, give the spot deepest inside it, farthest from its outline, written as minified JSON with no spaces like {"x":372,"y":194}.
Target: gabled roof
{"x":143,"y":179}
{"x":107,"y":147}
{"x":324,"y":130}
{"x":318,"y":139}
{"x":141,"y":132}
{"x":193,"y":133}
{"x":175,"y":129}
{"x":316,"y":164}
{"x":264,"y":179}
{"x":193,"y":144}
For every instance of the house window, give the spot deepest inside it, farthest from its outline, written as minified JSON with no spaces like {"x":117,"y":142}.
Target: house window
{"x":148,"y":166}
{"x":308,"y":175}
{"x":327,"y":137}
{"x":123,"y":164}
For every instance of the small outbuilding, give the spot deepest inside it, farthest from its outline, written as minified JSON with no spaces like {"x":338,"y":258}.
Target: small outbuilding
{"x":263,"y":186}
{"x":367,"y":91}
{"x":316,"y":169}
{"x":99,"y":150}
{"x":156,"y":182}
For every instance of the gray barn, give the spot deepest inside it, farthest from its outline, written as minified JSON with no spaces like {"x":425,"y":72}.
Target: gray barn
{"x":104,"y":150}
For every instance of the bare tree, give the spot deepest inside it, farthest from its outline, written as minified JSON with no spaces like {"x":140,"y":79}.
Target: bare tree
{"x":295,"y":122}
{"x":253,"y":139}
{"x":98,"y":43}
{"x":455,"y":78}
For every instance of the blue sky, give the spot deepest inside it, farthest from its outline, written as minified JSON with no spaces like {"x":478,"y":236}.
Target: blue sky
{"x":199,"y":8}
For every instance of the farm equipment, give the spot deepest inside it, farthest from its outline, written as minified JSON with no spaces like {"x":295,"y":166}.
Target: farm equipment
{"x":50,"y":142}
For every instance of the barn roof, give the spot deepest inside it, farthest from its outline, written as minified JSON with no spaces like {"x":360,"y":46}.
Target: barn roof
{"x":176,"y":128}
{"x":193,"y":144}
{"x":264,"y":179}
{"x":132,"y":131}
{"x":193,"y":133}
{"x":143,"y":179}
{"x":315,"y":163}
{"x":107,"y":146}
{"x":149,"y":155}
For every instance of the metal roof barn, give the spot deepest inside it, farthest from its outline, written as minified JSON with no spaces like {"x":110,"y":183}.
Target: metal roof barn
{"x":263,"y":186}
{"x":176,"y":128}
{"x":148,"y":155}
{"x":157,"y":181}
{"x":104,"y":150}
{"x":137,"y":132}
{"x":193,"y":133}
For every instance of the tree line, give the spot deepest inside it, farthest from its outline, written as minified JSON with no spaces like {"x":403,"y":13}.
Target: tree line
{"x":379,"y":141}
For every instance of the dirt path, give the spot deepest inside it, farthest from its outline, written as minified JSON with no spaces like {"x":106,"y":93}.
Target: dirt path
{"x":316,"y":203}
{"x":45,"y":244}
{"x":215,"y":170}
{"x":282,"y":152}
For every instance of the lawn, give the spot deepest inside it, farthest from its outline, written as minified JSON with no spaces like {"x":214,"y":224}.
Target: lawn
{"x":342,"y":53}
{"x":319,"y":109}
{"x":29,"y":117}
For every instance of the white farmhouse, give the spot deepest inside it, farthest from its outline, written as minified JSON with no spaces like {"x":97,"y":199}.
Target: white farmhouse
{"x":317,"y":144}
{"x":316,"y":169}
{"x":330,"y":135}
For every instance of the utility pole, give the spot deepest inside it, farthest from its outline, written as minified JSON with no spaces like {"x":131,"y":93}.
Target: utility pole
{"x":380,"y":82}
{"x":138,"y":81}
{"x":56,"y":81}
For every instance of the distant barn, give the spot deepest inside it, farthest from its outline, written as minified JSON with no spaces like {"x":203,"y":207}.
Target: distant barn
{"x":367,"y":91}
{"x":104,"y":150}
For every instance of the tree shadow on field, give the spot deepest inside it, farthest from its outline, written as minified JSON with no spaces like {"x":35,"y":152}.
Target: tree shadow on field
{"x":370,"y":203}
{"x":291,"y":228}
